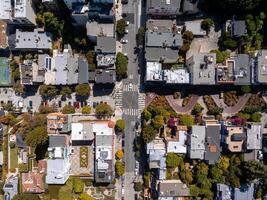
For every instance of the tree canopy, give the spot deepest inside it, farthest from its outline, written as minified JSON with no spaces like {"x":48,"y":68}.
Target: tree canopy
{"x":158,"y":122}
{"x":86,"y":110}
{"x":206,"y":24}
{"x":78,"y":185}
{"x":83,"y":90}
{"x":52,"y":24}
{"x":26,"y":196}
{"x":37,"y":136}
{"x":85,"y":196}
{"x":121,"y":65}
{"x":65,"y":193}
{"x":187,"y":120}
{"x":119,"y":154}
{"x":48,"y":91}
{"x":119,"y":168}
{"x":120,"y":27}
{"x":173,"y":160}
{"x":103,"y":110}
{"x":120,"y":125}
{"x":148,"y":133}
{"x":67,"y":109}
{"x":66,"y":92}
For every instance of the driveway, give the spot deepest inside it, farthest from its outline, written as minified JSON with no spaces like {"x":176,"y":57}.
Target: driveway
{"x":182,"y":109}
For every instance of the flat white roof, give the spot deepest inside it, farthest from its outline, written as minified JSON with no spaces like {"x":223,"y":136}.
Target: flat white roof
{"x":5,"y":9}
{"x":77,"y":131}
{"x":153,"y":71}
{"x":176,"y":76}
{"x":178,"y":146}
{"x":24,"y":9}
{"x":102,"y":129}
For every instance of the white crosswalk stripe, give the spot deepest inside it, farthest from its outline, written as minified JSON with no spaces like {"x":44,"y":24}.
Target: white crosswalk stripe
{"x":118,"y":98}
{"x":131,"y":111}
{"x":141,"y":101}
{"x":130,"y":87}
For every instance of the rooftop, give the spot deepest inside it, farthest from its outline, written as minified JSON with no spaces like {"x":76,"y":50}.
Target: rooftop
{"x":82,"y":132}
{"x":202,"y":68}
{"x":36,"y":40}
{"x":172,"y":188}
{"x":261,"y":67}
{"x":174,"y":76}
{"x":58,"y":123}
{"x":225,"y":73}
{"x":245,"y":192}
{"x":190,"y":6}
{"x":3,"y":34}
{"x":100,"y":29}
{"x":242,"y":69}
{"x":31,"y":73}
{"x":163,"y":39}
{"x":197,"y":142}
{"x":178,"y":146}
{"x":5,"y":9}
{"x":103,"y":76}
{"x":163,"y":7}
{"x":254,"y":136}
{"x":154,"y":71}
{"x":11,"y":186}
{"x":238,"y":28}
{"x":160,"y":25}
{"x":24,"y":9}
{"x":195,"y":27}
{"x":223,"y":192}
{"x":231,"y":138}
{"x":165,"y":55}
{"x":106,"y":44}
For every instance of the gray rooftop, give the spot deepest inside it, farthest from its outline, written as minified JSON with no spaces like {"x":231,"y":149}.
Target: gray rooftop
{"x":100,"y":29}
{"x":161,"y":25}
{"x":242,"y":69}
{"x":163,"y":7}
{"x":254,"y":136}
{"x":213,"y":147}
{"x":202,"y":68}
{"x":83,"y":70}
{"x":190,"y":7}
{"x":163,"y":39}
{"x":105,"y":76}
{"x":11,"y":186}
{"x":223,"y":192}
{"x":244,"y":193}
{"x":57,"y":141}
{"x":103,"y":140}
{"x":238,"y":28}
{"x":195,"y":27}
{"x":197,"y":142}
{"x":106,"y":44}
{"x":261,"y":67}
{"x":160,"y":54}
{"x":172,"y":188}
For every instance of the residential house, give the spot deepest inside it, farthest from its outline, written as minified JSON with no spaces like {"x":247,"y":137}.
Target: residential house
{"x":176,"y":143}
{"x":82,"y":137}
{"x":104,"y":151}
{"x":11,"y":187}
{"x":202,"y":68}
{"x":101,"y":11}
{"x":163,"y":8}
{"x":58,"y":123}
{"x":238,"y":28}
{"x":36,"y":40}
{"x":195,"y":27}
{"x":213,"y":141}
{"x":64,"y":68}
{"x":6,"y":10}
{"x":95,"y":29}
{"x":172,"y":189}
{"x":31,"y":73}
{"x":58,"y":162}
{"x":156,"y":152}
{"x":80,"y":13}
{"x":261,"y":67}
{"x":33,"y":181}
{"x":225,"y":192}
{"x":233,"y":137}
{"x":22,"y":150}
{"x":105,"y":57}
{"x":196,"y":145}
{"x":191,"y":7}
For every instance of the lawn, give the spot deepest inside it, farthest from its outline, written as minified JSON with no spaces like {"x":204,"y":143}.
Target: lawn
{"x":13,"y":158}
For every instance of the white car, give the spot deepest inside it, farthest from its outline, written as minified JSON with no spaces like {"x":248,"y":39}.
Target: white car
{"x":122,"y":191}
{"x":125,"y":54}
{"x":126,"y":31}
{"x":127,"y":23}
{"x":130,"y":86}
{"x":124,"y":41}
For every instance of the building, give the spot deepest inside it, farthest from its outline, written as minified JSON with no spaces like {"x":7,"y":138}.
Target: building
{"x":69,"y":3}
{"x":36,"y":40}
{"x":6,"y":10}
{"x":64,"y":68}
{"x":95,"y":29}
{"x":213,"y":141}
{"x":177,"y":144}
{"x":154,"y":72}
{"x":31,"y":73}
{"x":238,"y":28}
{"x":242,"y":69}
{"x":82,"y":133}
{"x":223,"y":192}
{"x":33,"y":181}
{"x":24,"y":12}
{"x":104,"y":151}
{"x":80,"y":14}
{"x":163,"y":8}
{"x":58,"y":123}
{"x":191,"y":7}
{"x":202,"y":68}
{"x":11,"y":187}
{"x":172,"y":189}
{"x":196,"y":146}
{"x":101,"y":11}
{"x":254,"y":136}
{"x":156,"y":152}
{"x":261,"y":67}
{"x":195,"y":28}
{"x":58,"y":162}
{"x":233,"y":137}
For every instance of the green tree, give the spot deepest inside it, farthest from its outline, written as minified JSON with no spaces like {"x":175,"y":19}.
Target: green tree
{"x":224,"y":163}
{"x":66,"y":92}
{"x":46,"y":109}
{"x":228,"y":42}
{"x":206,"y":24}
{"x":119,"y":168}
{"x":103,"y":110}
{"x":148,"y":133}
{"x":256,"y":117}
{"x":121,"y":65}
{"x":26,"y":196}
{"x":254,"y":170}
{"x":158,"y":122}
{"x":138,"y":186}
{"x":173,"y":160}
{"x":78,"y":185}
{"x":146,"y":114}
{"x":217,"y":174}
{"x":86,"y":110}
{"x":39,"y":20}
{"x":221,"y":56}
{"x":37,"y":136}
{"x":53,"y":25}
{"x":197,"y":109}
{"x":85,"y":196}
{"x":19,"y":89}
{"x":186,"y":176}
{"x":140,"y":36}
{"x":83,"y":90}
{"x":119,"y":154}
{"x":67,"y":109}
{"x":215,"y":110}
{"x":183,"y":50}
{"x":186,"y":120}
{"x":194,"y":190}
{"x":120,"y":125}
{"x":48,"y":91}
{"x":188,"y":36}
{"x":120,"y":27}
{"x":15,"y":74}
{"x":90,"y":56}
{"x":65,"y":193}
{"x":246,"y":88}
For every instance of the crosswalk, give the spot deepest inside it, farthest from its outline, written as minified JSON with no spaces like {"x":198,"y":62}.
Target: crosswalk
{"x":118,"y":98}
{"x":130,"y":88}
{"x":131,"y":111}
{"x":141,"y":101}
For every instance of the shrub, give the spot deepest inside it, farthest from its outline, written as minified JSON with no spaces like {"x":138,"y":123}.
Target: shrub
{"x":67,"y":109}
{"x":119,"y":154}
{"x":103,"y":110}
{"x":186,"y":120}
{"x":215,"y":111}
{"x":197,"y":109}
{"x":83,"y":90}
{"x":120,"y":125}
{"x":245,"y":88}
{"x":148,"y":133}
{"x":206,"y":24}
{"x":256,"y":117}
{"x":119,"y":168}
{"x":138,"y":186}
{"x":12,"y":144}
{"x":86,"y":110}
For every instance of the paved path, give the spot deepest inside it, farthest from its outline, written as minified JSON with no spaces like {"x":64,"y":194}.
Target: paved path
{"x":219,"y":102}
{"x":149,"y":98}
{"x":182,"y":109}
{"x":240,"y":104}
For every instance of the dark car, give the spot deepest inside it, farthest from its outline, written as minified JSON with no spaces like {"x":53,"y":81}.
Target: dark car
{"x":124,"y":1}
{"x":59,"y":104}
{"x":30,"y":104}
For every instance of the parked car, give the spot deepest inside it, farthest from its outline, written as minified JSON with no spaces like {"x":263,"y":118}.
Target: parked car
{"x":130,"y":86}
{"x":124,"y":1}
{"x":30,"y":103}
{"x":77,"y":104}
{"x":59,"y":104}
{"x":124,"y":41}
{"x":122,"y":191}
{"x":94,"y":104}
{"x":126,"y":31}
{"x":127,"y":23}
